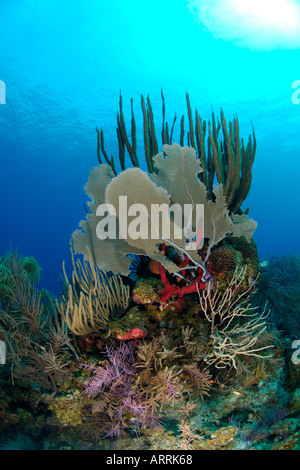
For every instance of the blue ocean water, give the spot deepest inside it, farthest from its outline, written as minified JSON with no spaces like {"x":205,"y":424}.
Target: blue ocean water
{"x":62,"y":65}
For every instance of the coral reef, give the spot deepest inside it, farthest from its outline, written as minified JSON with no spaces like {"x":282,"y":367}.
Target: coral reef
{"x":136,"y":387}
{"x":162,"y":342}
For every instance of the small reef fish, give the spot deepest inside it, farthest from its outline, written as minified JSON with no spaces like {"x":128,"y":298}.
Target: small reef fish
{"x":263,"y":264}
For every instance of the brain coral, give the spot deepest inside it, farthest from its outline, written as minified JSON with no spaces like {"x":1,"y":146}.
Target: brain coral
{"x":234,"y":253}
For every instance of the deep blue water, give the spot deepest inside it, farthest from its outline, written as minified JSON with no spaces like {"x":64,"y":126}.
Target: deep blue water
{"x":63,"y":64}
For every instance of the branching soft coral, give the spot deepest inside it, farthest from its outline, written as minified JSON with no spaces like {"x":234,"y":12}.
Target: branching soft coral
{"x":37,"y":343}
{"x":116,"y":396}
{"x":137,"y":381}
{"x":93,"y":298}
{"x":235,"y":325}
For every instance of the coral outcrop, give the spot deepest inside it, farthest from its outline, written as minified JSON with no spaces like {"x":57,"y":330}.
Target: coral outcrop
{"x":160,"y":338}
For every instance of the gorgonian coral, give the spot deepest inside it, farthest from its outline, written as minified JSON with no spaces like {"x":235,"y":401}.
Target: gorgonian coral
{"x":163,"y":189}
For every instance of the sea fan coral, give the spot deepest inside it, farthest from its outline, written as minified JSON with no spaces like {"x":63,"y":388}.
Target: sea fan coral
{"x":167,"y":187}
